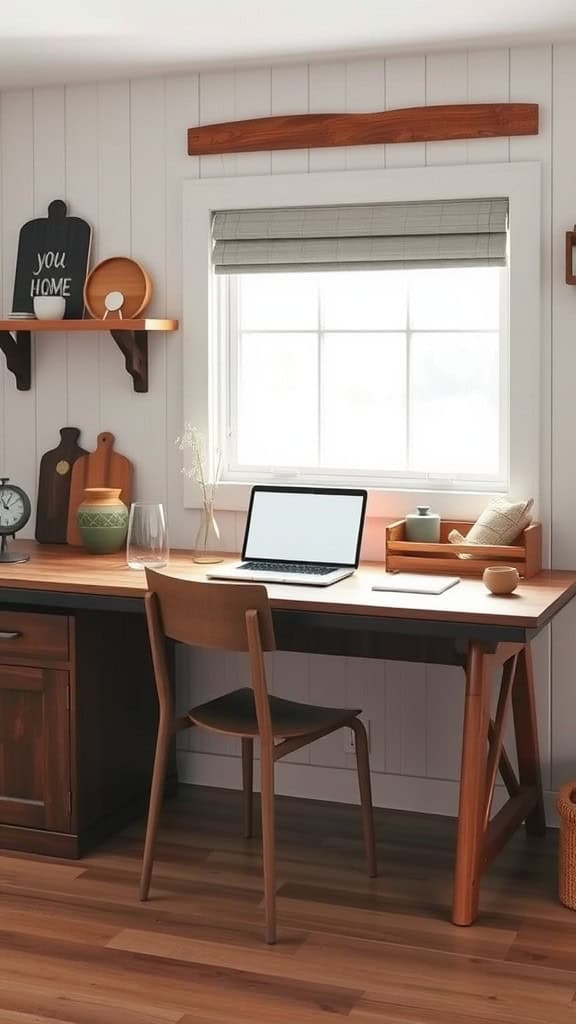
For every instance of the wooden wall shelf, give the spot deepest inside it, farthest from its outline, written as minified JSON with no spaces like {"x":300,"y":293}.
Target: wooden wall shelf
{"x":409,"y":124}
{"x":131,"y":336}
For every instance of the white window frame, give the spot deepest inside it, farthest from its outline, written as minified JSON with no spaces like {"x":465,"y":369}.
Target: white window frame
{"x":202,"y":312}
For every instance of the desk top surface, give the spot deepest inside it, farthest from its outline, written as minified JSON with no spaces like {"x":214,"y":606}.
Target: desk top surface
{"x":65,"y":570}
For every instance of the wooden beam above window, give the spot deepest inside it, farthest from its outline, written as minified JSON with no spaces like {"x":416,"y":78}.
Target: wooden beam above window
{"x":445,"y":122}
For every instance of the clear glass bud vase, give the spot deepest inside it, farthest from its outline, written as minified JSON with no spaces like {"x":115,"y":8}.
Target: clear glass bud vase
{"x":207,"y":544}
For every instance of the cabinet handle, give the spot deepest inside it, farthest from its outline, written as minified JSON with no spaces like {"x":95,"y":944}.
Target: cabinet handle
{"x":10,"y":636}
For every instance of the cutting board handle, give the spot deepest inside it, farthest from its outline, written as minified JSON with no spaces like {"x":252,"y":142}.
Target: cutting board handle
{"x":72,"y":433}
{"x":105,"y":439}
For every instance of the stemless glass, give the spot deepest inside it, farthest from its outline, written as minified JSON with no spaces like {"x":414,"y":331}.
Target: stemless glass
{"x":147,"y":544}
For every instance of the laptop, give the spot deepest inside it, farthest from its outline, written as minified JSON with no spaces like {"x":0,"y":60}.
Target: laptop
{"x":304,"y":535}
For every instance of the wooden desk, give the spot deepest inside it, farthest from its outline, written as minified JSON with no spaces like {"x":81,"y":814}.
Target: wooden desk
{"x":466,"y":626}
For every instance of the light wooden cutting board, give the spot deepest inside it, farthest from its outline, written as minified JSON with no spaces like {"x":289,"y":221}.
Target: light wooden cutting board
{"x":102,"y":468}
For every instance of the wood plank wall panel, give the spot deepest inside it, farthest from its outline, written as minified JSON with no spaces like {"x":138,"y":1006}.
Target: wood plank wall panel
{"x":405,"y":83}
{"x":82,"y":194}
{"x":365,"y":90}
{"x":93,"y":144}
{"x":115,"y":236}
{"x":440,"y":692}
{"x":51,"y":365}
{"x":488,"y":81}
{"x":253,"y":96}
{"x":406,"y":686}
{"x":488,"y":77}
{"x":217,"y":104}
{"x":563,"y":493}
{"x":531,"y":70}
{"x":289,"y":95}
{"x":148,"y":228}
{"x":367,"y":687}
{"x":182,"y":100}
{"x":328,"y":95}
{"x":3,"y":284}
{"x":446,"y":82}
{"x":17,"y":148}
{"x":291,"y":673}
{"x":214,"y":675}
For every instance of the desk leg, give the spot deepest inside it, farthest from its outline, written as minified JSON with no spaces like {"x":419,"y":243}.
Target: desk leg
{"x":470,"y":837}
{"x":526,"y":730}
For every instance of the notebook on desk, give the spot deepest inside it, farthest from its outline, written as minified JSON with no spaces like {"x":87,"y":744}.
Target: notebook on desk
{"x":413,"y":583}
{"x":304,"y":535}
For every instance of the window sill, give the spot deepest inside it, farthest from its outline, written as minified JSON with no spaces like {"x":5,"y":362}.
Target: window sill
{"x":382,"y":503}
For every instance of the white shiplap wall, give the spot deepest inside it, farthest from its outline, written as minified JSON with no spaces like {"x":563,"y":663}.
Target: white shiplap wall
{"x":117,"y":152}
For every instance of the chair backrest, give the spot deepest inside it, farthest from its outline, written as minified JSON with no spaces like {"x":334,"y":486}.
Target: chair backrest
{"x":211,"y":614}
{"x":227,"y":616}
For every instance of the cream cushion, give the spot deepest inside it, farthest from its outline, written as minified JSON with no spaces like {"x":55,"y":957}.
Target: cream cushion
{"x":500,"y":523}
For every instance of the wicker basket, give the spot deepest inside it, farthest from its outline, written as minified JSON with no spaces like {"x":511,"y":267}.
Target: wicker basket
{"x":566,"y":807}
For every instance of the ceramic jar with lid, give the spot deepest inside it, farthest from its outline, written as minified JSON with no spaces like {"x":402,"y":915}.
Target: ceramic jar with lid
{"x":423,"y":525}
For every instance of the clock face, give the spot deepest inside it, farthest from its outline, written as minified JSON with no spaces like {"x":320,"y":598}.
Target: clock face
{"x":14,"y":509}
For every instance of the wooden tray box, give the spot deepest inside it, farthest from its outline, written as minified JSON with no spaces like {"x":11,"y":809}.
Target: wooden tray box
{"x":416,"y":556}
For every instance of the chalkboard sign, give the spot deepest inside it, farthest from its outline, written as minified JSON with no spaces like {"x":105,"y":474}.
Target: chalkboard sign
{"x":53,"y":255}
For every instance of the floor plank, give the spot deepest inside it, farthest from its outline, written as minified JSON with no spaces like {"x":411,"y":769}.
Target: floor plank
{"x":76,"y":946}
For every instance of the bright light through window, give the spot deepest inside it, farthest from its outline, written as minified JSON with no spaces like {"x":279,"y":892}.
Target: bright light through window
{"x":387,"y":373}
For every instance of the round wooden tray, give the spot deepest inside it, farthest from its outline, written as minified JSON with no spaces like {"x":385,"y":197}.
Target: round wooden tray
{"x":117,"y":274}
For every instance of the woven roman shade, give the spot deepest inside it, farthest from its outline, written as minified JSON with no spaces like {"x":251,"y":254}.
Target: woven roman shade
{"x":446,"y":233}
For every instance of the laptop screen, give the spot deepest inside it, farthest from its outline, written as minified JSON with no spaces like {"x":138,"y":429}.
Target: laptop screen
{"x":315,"y":525}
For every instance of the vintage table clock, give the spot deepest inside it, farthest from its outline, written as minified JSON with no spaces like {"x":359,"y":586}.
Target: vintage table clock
{"x":14,"y":514}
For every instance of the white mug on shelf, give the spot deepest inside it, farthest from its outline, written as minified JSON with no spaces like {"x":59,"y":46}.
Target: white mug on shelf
{"x":49,"y":307}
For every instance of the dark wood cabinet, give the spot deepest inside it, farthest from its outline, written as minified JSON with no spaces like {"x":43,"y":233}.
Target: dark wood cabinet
{"x":35,"y":748}
{"x":78,"y":714}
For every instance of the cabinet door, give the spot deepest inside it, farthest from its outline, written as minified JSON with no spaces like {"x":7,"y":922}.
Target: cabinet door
{"x":34,"y":748}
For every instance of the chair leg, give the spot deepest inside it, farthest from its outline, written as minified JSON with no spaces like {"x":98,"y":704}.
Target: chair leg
{"x":268,"y":841}
{"x":363,"y":763}
{"x":247,"y":784}
{"x":155,"y":805}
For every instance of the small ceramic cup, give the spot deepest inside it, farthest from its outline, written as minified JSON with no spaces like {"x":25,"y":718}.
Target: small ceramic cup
{"x":49,"y":307}
{"x":501,"y":579}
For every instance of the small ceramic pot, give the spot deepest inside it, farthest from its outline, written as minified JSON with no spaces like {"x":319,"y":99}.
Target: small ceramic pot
{"x":102,"y":520}
{"x":49,"y":307}
{"x":501,"y":579}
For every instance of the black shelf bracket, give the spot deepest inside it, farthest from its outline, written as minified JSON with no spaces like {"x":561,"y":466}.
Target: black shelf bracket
{"x":134,"y":347}
{"x":17,"y":349}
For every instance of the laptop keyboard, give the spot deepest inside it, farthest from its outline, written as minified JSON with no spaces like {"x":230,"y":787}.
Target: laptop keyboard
{"x":297,"y":567}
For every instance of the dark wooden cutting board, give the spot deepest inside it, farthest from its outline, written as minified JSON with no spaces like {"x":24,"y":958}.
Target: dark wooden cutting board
{"x":54,"y":487}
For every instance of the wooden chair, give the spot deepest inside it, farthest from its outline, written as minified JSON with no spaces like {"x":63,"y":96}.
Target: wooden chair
{"x":237,"y":617}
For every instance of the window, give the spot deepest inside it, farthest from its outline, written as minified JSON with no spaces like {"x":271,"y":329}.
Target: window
{"x":407,"y":380}
{"x":381,"y":376}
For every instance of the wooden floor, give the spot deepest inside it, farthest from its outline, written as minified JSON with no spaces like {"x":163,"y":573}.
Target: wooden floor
{"x":76,"y":946}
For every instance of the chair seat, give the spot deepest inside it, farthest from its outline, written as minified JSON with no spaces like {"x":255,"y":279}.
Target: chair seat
{"x":235,"y":714}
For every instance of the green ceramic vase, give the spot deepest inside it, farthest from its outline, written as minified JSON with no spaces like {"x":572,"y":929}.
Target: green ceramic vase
{"x":102,"y":520}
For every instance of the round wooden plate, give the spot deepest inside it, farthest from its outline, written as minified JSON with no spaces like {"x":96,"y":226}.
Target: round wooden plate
{"x":117,"y":274}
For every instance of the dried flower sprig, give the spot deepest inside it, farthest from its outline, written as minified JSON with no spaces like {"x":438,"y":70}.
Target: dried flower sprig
{"x":199,"y":468}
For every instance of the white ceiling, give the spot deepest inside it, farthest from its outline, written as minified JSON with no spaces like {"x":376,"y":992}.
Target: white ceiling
{"x":70,"y":40}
